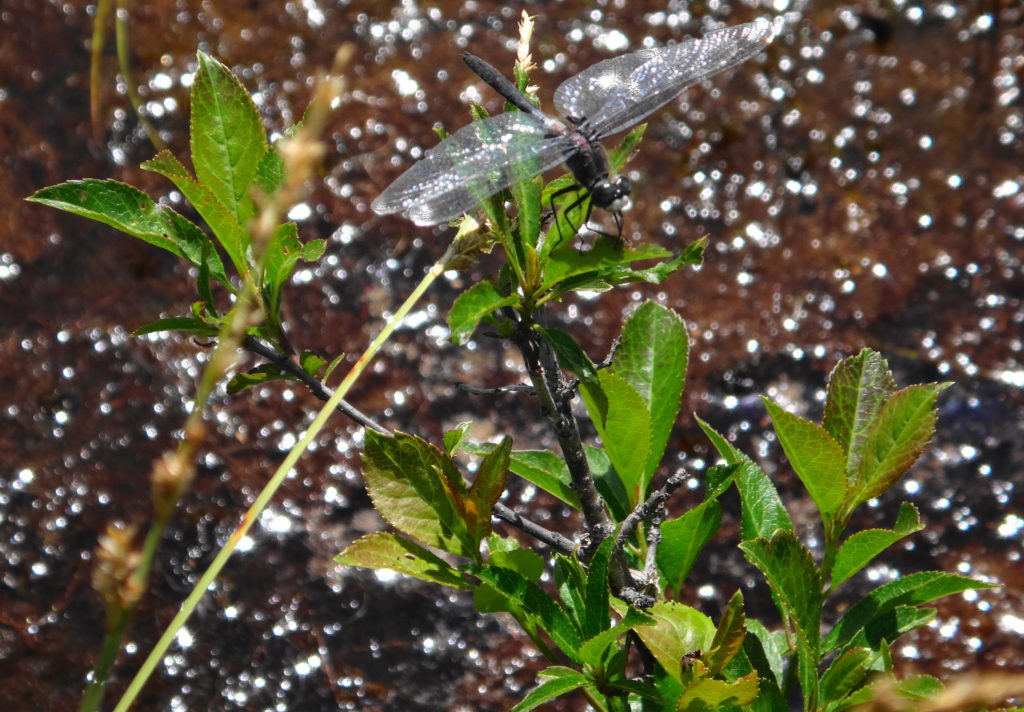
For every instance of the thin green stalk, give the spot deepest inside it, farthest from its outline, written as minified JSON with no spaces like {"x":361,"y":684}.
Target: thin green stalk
{"x":105,"y":662}
{"x":99,"y":35}
{"x":593,"y":700}
{"x":253,"y":513}
{"x":125,"y":63}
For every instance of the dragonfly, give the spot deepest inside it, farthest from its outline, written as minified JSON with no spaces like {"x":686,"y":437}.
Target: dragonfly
{"x":611,"y":96}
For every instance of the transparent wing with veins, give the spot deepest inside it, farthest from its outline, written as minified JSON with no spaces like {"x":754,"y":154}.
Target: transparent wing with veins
{"x":475,"y":162}
{"x":617,"y":93}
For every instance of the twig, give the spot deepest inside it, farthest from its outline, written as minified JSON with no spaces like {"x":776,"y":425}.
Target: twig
{"x":648,"y":509}
{"x":477,"y":390}
{"x":556,"y":541}
{"x":317,"y":388}
{"x":652,"y":508}
{"x":611,"y":354}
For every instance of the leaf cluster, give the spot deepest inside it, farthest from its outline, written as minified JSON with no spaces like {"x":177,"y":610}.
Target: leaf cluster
{"x":232,"y":162}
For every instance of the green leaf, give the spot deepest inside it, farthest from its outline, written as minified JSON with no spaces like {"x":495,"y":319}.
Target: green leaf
{"x":418,"y":490}
{"x":816,"y":458}
{"x":532,"y":599}
{"x":332,"y":365}
{"x":909,"y":590}
{"x":597,"y":614}
{"x":191,"y":324}
{"x":314,"y":250}
{"x":921,"y":687}
{"x":570,"y":580}
{"x":385,"y":550}
{"x":487,"y":488}
{"x":621,"y":154}
{"x":605,"y":265}
{"x":566,"y":223}
{"x":861,"y":696}
{"x":227,"y":137}
{"x":454,"y":438}
{"x":283,"y":252}
{"x":652,"y":358}
{"x":270,"y":172}
{"x":130,"y":210}
{"x":729,"y":636}
{"x":527,"y":563}
{"x":203,"y":285}
{"x":621,"y":419}
{"x":607,"y":482}
{"x":807,"y":670}
{"x":593,"y":650}
{"x":677,"y":630}
{"x":896,"y":439}
{"x":222,"y":221}
{"x":860,"y":548}
{"x":561,"y":681}
{"x":475,"y":304}
{"x":718,"y":479}
{"x":570,"y":356}
{"x":311,"y":363}
{"x":773,"y":646}
{"x":264,"y":373}
{"x":546,"y":470}
{"x":682,"y":540}
{"x":857,"y":387}
{"x":708,"y":694}
{"x":762,"y":510}
{"x":890,"y":625}
{"x":752,"y":658}
{"x":845,"y":674}
{"x":572,"y":269}
{"x":526,"y":196}
{"x":789,"y":569}
{"x":487,"y":599}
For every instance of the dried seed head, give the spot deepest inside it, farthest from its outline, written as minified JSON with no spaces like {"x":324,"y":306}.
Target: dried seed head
{"x":117,"y":558}
{"x":172,"y":475}
{"x":523,"y":57}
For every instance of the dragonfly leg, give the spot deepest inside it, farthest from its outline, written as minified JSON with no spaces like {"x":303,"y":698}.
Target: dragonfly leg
{"x":565,"y":213}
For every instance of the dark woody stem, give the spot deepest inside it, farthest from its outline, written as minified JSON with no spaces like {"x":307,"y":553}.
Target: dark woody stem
{"x":556,"y":404}
{"x":555,"y":396}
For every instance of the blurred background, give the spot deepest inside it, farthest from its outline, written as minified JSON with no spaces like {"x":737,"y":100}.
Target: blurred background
{"x":861,"y":182}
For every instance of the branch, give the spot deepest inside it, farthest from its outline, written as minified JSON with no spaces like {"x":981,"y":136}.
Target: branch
{"x":556,"y":541}
{"x":556,"y":404}
{"x":651,"y":507}
{"x":287,"y":364}
{"x":477,"y":390}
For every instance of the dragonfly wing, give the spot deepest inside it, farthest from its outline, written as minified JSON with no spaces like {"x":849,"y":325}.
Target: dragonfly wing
{"x":583,"y":95}
{"x":472,"y":164}
{"x":672,"y":69}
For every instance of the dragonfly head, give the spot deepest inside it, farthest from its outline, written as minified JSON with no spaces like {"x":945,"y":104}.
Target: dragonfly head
{"x":612,"y":195}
